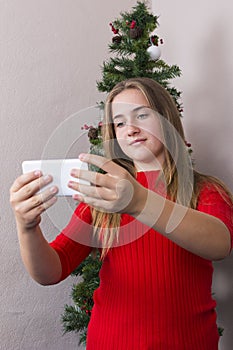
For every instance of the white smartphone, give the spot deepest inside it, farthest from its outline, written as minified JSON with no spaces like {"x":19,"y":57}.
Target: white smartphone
{"x":59,"y":169}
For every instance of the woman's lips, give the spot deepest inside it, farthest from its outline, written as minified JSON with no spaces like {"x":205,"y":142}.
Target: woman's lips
{"x":137,"y":141}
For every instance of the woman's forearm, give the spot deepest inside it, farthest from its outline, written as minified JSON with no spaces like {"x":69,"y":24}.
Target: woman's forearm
{"x":118,"y":192}
{"x":198,"y":232}
{"x":41,"y":261}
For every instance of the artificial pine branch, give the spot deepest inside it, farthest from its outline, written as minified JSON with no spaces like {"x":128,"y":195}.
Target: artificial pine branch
{"x":131,"y":58}
{"x":76,"y":318}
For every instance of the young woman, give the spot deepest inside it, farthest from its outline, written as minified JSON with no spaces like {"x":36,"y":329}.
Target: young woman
{"x":158,"y":223}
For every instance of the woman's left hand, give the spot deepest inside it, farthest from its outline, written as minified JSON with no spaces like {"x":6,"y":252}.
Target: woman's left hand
{"x":116,"y":191}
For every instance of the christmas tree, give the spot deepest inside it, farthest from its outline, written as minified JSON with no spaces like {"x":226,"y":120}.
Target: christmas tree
{"x":136,"y":49}
{"x":76,"y":317}
{"x":136,"y":53}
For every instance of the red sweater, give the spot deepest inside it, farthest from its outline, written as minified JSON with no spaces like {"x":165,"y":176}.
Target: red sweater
{"x":153,"y":294}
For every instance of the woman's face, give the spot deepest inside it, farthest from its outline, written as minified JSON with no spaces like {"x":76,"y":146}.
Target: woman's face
{"x":138,"y":129}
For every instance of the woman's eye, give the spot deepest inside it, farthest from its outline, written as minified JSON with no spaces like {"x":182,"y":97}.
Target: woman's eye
{"x":119,"y":124}
{"x":142,"y":116}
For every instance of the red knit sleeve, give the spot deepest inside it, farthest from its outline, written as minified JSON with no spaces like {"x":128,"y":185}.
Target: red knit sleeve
{"x":214,"y":201}
{"x":72,"y":243}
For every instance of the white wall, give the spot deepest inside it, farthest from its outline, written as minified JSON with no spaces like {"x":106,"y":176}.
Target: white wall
{"x":198,"y":38}
{"x":50,"y":57}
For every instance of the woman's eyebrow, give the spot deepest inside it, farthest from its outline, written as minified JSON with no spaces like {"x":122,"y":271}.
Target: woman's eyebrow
{"x":136,"y":109}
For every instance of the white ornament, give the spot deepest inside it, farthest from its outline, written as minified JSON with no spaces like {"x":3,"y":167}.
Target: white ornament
{"x":154,"y":52}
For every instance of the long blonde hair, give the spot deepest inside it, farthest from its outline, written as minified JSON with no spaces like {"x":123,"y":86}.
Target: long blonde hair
{"x":106,"y":225}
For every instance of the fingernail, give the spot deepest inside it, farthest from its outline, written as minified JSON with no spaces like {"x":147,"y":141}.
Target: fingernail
{"x":47,"y":178}
{"x":77,"y":197}
{"x":37,"y":172}
{"x":82,"y":156}
{"x":53,"y":189}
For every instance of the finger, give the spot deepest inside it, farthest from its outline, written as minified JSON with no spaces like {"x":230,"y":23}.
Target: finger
{"x":42,"y":197}
{"x":32,"y":187}
{"x":92,"y":177}
{"x":93,"y":191}
{"x":101,"y":162}
{"x":37,"y":211}
{"x":25,"y":179}
{"x":99,"y":204}
{"x":36,"y":201}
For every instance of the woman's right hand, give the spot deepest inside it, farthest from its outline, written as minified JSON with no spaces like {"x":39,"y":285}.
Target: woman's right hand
{"x":26,"y":203}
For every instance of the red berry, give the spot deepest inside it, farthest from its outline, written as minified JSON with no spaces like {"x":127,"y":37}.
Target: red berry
{"x":133,"y":24}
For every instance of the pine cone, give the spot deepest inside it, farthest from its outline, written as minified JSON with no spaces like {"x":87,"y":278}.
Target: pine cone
{"x":93,"y":133}
{"x":116,"y":39}
{"x":135,"y":33}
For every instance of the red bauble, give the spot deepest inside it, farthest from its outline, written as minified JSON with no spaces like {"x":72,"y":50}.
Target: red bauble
{"x":133,"y":24}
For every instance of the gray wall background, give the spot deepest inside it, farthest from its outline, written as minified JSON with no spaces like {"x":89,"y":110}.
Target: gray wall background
{"x":50,"y":57}
{"x":198,"y":36}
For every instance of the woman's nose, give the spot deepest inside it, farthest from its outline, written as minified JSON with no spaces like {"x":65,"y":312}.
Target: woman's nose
{"x":132,"y":129}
